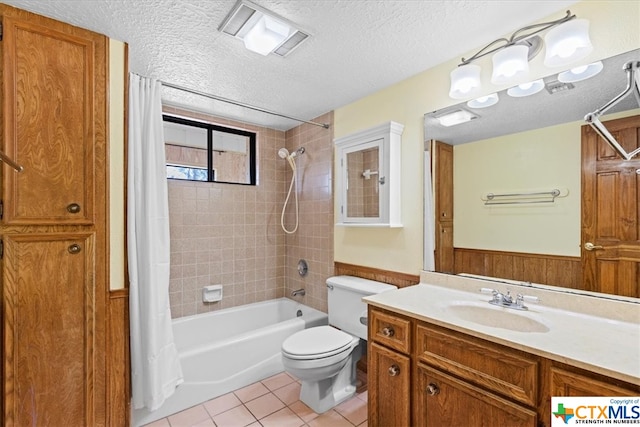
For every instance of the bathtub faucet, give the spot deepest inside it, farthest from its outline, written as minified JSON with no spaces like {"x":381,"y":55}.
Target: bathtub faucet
{"x":297,"y":292}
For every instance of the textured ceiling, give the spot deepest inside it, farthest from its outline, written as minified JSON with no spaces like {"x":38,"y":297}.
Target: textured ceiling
{"x":357,"y":46}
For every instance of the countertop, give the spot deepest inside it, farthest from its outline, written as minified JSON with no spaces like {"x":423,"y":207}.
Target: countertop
{"x":586,"y":330}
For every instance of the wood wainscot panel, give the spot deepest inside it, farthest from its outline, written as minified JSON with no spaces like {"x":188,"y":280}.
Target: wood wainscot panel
{"x":400,"y":280}
{"x":538,"y":268}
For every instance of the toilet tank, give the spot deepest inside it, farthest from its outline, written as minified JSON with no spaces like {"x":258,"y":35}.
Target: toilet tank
{"x":345,"y":304}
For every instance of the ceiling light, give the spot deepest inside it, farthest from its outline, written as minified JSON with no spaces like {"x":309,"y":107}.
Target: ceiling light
{"x":465,"y":81}
{"x":567,"y":43}
{"x":261,"y":30}
{"x":526,"y":89}
{"x":580,"y":73}
{"x":510,"y":65}
{"x":484,"y":101}
{"x":456,"y":117}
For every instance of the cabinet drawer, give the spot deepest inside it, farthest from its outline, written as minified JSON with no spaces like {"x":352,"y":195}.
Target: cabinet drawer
{"x":506,"y":371}
{"x":390,"y":330}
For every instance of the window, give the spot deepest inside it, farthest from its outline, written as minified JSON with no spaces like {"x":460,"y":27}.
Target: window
{"x":198,"y":151}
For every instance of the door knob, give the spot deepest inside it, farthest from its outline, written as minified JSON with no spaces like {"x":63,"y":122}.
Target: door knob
{"x":433,"y":389}
{"x":394,"y":370}
{"x":591,"y":247}
{"x":388,"y":331}
{"x":73,"y":208}
{"x":74,"y":249}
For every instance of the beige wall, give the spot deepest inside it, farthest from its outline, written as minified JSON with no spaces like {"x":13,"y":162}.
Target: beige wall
{"x":614,"y":29}
{"x":230,"y":234}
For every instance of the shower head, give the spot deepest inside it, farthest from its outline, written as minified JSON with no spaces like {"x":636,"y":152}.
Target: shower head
{"x":283,"y":153}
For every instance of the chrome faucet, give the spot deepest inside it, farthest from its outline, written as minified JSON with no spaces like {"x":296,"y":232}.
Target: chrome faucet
{"x":506,"y":300}
{"x":297,"y":292}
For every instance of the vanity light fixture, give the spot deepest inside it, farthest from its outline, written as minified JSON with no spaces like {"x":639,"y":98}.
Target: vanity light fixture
{"x":581,"y":73}
{"x":484,"y":101}
{"x":566,"y":42}
{"x":456,"y":117}
{"x":262,"y":31}
{"x":526,"y":89}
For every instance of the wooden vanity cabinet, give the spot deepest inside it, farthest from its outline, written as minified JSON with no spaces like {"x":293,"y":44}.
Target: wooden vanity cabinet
{"x":421,"y":374}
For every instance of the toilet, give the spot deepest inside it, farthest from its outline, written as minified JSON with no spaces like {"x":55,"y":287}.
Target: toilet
{"x":324,"y":358}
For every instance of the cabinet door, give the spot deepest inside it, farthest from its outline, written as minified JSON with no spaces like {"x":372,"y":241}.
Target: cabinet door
{"x":444,"y":181}
{"x":565,"y":383}
{"x":442,"y":400}
{"x":389,"y":387}
{"x":49,"y":329}
{"x":444,"y":247}
{"x":51,"y":122}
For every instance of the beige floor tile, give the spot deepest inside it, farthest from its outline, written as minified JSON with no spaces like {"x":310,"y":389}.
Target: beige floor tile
{"x":250,"y":392}
{"x":363,"y":396}
{"x":189,"y":417}
{"x":277,"y":381}
{"x":222,"y":404}
{"x":330,"y":419}
{"x":207,"y":423}
{"x":354,"y":410}
{"x":264,"y":405}
{"x":160,"y":423}
{"x":283,"y":418}
{"x":364,"y":424}
{"x":303,"y":411}
{"x":289,"y":393}
{"x":236,"y":417}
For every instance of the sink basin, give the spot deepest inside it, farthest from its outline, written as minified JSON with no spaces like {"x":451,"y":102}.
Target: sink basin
{"x":496,"y":317}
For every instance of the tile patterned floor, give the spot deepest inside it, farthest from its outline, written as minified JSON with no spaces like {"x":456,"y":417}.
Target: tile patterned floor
{"x":272,"y":402}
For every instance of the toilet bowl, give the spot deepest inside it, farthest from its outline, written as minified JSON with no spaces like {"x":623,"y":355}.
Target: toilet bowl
{"x":324,"y":358}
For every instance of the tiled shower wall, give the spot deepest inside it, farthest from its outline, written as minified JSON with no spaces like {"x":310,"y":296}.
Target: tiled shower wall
{"x":230,"y":234}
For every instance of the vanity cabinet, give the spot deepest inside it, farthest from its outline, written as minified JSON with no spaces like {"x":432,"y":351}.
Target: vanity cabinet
{"x":427,"y":375}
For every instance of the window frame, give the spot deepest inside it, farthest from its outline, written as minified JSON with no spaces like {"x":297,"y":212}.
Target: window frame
{"x":210,"y":129}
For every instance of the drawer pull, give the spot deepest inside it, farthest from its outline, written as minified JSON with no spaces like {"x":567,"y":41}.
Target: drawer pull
{"x":433,"y":389}
{"x":74,"y":249}
{"x":388,"y":331}
{"x":73,"y":208}
{"x":394,"y":370}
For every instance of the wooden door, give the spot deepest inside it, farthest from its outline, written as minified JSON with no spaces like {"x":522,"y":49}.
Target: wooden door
{"x":610,"y":211}
{"x":443,"y":400}
{"x":389,"y":387}
{"x":49,"y":123}
{"x":49,"y":356}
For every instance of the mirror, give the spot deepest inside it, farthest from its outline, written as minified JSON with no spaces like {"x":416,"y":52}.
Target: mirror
{"x":368,"y":177}
{"x":527,"y":144}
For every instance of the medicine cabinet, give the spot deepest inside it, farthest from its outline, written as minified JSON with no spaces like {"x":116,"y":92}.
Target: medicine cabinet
{"x":368,"y":177}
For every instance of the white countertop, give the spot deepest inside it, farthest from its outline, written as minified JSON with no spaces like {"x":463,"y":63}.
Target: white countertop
{"x":586,"y":330}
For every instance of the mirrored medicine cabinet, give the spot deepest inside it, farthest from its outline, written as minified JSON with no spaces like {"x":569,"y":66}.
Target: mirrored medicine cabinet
{"x":368,"y":177}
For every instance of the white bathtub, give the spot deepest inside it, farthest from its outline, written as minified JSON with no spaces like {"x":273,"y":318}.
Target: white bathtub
{"x":224,"y":350}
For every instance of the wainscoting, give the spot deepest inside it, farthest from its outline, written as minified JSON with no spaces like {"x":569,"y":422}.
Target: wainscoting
{"x":553,"y":270}
{"x":400,"y":280}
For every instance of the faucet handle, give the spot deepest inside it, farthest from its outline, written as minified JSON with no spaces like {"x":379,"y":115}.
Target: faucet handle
{"x":487,"y":290}
{"x":528,"y":298}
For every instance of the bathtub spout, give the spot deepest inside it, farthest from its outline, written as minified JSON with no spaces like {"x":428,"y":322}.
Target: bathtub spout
{"x":297,"y":292}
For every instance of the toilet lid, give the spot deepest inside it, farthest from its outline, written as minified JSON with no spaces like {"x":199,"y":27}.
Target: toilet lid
{"x":320,"y":341}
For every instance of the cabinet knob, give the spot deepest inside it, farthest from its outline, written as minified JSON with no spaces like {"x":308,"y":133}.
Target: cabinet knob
{"x":74,"y":249}
{"x":394,"y":370}
{"x":73,"y":208}
{"x":433,"y":389}
{"x":388,"y":331}
{"x":444,"y":214}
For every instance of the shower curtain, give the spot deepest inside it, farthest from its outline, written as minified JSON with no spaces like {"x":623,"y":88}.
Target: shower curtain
{"x":155,"y":368}
{"x":429,"y":215}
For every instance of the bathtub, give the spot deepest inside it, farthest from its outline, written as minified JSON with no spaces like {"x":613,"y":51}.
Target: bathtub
{"x":224,"y":350}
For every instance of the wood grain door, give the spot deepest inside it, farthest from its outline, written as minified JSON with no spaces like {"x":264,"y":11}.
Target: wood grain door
{"x":49,"y":329}
{"x":389,"y":387}
{"x":49,"y":123}
{"x":610,"y":211}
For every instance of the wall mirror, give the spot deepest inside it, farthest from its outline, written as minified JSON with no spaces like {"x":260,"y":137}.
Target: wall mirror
{"x":527,"y":144}
{"x":198,"y":151}
{"x":368,"y":177}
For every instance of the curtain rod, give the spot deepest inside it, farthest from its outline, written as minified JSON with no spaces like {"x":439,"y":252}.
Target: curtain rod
{"x":240,"y":104}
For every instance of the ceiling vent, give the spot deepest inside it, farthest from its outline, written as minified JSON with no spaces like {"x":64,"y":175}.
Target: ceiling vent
{"x":281,"y":37}
{"x":555,"y":86}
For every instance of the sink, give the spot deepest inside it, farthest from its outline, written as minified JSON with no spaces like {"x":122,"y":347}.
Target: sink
{"x":496,"y":317}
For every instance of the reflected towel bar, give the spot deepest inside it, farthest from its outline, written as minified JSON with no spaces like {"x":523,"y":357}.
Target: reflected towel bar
{"x":10,"y":162}
{"x":525,"y":198}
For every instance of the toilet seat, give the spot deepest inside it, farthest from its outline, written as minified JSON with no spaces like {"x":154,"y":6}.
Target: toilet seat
{"x":317,"y":343}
